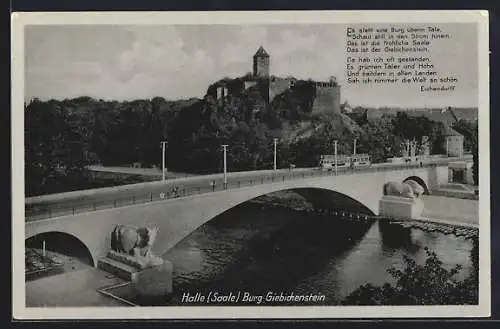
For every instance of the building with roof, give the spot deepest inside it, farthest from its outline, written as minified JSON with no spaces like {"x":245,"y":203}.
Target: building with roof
{"x":453,"y":141}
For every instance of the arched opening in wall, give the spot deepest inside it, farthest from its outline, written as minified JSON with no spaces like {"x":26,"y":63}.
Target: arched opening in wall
{"x":420,"y":182}
{"x":63,"y":244}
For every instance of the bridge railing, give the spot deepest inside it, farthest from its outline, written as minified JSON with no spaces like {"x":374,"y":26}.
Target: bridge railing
{"x":35,"y":212}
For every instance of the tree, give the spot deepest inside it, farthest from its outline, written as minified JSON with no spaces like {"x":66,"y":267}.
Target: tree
{"x":57,"y":148}
{"x":428,"y":284}
{"x":475,"y":165}
{"x":379,"y":139}
{"x":40,"y":165}
{"x":470,"y":132}
{"x":408,"y":127}
{"x":84,"y":130}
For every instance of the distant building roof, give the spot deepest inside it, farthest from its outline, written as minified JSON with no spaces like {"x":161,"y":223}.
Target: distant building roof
{"x":448,"y":131}
{"x":261,"y":52}
{"x":460,"y":164}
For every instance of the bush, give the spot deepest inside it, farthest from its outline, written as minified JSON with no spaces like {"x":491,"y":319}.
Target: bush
{"x":475,"y":165}
{"x":428,"y":284}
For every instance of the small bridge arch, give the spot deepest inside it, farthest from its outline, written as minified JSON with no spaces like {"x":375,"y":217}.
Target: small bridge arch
{"x":63,"y":243}
{"x":420,"y":182}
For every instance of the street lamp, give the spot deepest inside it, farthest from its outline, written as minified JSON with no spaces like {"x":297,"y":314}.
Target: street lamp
{"x":163,"y":160}
{"x":335,"y":143}
{"x":275,"y":146}
{"x":224,"y":147}
{"x":354,"y":151}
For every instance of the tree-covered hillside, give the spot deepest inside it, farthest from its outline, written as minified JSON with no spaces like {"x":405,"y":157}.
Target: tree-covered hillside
{"x":63,"y":137}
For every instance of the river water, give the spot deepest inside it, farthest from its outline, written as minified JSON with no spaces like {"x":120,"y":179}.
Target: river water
{"x":258,"y":249}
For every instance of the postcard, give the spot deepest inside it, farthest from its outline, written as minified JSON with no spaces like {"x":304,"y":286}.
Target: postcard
{"x":230,"y":165}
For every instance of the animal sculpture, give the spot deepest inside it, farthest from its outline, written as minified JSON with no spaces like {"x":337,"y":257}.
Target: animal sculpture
{"x":408,"y":189}
{"x":132,"y":240}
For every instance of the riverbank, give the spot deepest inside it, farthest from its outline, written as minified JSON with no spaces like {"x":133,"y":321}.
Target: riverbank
{"x":72,"y":289}
{"x":284,"y":199}
{"x":261,"y":244}
{"x":40,"y":265}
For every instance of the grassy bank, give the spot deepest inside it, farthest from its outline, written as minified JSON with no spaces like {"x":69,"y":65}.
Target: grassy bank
{"x":287,"y":199}
{"x":91,"y":180}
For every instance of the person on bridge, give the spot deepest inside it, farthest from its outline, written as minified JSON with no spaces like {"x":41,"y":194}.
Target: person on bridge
{"x":175,"y":191}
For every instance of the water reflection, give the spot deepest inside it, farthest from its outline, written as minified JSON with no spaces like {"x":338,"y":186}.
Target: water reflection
{"x":259,"y":249}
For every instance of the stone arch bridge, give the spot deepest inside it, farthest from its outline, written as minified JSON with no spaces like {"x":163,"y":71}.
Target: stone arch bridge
{"x":177,"y":218}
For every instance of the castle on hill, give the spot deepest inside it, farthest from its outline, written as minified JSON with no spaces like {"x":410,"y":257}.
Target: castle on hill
{"x":327,"y":93}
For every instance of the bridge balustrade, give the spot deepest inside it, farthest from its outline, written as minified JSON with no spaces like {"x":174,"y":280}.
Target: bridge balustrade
{"x":39,"y":212}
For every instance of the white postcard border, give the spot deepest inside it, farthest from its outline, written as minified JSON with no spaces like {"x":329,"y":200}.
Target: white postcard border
{"x":20,"y":20}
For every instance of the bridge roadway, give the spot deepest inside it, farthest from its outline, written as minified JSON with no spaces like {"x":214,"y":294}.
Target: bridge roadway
{"x":177,"y":218}
{"x":73,"y":203}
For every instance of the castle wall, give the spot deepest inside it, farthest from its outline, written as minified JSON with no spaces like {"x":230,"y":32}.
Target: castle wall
{"x":249,"y":84}
{"x":277,"y":86}
{"x":327,"y":98}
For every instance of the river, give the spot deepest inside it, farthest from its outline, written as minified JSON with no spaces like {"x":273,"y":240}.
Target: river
{"x":278,"y":244}
{"x":258,"y":248}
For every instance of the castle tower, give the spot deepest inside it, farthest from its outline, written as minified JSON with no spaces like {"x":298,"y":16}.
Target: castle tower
{"x":261,"y":63}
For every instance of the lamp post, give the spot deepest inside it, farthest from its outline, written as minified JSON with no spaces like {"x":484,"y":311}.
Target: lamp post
{"x":354,"y":151}
{"x":163,"y":160}
{"x":224,"y":147}
{"x":275,"y":146}
{"x":335,"y":143}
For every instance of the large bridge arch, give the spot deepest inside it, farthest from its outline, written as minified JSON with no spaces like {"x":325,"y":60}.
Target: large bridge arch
{"x":361,"y":197}
{"x":319,"y":197}
{"x":62,"y":243}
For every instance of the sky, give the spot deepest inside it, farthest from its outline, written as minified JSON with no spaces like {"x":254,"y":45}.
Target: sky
{"x":120,"y":62}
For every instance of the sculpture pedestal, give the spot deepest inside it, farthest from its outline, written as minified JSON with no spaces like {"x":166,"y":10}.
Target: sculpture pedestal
{"x":150,"y":276}
{"x":154,"y":281}
{"x":400,"y":207}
